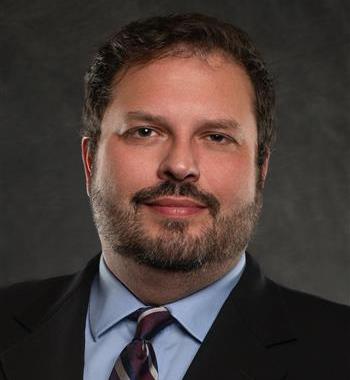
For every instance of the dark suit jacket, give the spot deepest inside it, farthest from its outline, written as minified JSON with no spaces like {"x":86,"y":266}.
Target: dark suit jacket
{"x":264,"y":332}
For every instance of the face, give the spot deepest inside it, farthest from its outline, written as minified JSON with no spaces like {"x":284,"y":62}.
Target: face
{"x":174,"y":181}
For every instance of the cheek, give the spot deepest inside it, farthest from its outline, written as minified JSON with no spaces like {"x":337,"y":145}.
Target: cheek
{"x":230,"y":180}
{"x":125,"y":168}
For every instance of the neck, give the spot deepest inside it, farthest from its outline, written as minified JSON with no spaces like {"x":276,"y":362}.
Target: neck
{"x":155,"y":286}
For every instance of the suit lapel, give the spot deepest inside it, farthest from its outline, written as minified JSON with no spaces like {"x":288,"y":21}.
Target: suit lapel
{"x":54,"y":347}
{"x":251,"y":337}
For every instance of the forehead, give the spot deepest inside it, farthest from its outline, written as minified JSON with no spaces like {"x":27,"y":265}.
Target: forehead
{"x":205,"y":67}
{"x":186,"y":87}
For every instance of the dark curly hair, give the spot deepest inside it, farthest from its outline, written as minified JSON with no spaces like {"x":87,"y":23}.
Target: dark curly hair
{"x":144,"y":40}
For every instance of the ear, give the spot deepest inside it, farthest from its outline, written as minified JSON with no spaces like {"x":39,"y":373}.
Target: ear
{"x":264,"y":168}
{"x":87,"y":162}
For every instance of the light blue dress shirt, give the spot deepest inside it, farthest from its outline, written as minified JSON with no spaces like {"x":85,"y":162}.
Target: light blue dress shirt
{"x":108,"y":331}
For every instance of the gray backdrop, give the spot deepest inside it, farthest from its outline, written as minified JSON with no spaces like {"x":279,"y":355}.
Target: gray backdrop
{"x":45,"y":223}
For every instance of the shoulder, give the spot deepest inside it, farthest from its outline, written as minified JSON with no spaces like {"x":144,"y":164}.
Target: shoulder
{"x":28,"y":305}
{"x":316,"y":319}
{"x":24,"y":293}
{"x":307,"y":306}
{"x":313,"y":331}
{"x":301,"y":307}
{"x":18,"y":296}
{"x":36,"y":296}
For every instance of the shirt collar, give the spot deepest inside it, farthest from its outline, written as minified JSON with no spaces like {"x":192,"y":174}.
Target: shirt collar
{"x":110,"y":302}
{"x":197,"y":312}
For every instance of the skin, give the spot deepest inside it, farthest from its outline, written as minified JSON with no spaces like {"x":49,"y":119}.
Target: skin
{"x":183,"y":103}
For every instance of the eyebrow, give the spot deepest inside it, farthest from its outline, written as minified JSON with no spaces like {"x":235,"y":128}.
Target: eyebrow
{"x":221,"y":123}
{"x":145,"y":116}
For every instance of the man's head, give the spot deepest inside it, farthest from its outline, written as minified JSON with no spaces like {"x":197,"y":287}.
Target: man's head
{"x":178,"y":129}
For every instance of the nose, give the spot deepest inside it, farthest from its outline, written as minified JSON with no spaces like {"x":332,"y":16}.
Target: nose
{"x":179,"y":164}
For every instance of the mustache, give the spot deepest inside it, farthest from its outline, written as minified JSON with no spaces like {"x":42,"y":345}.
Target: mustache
{"x":169,"y":188}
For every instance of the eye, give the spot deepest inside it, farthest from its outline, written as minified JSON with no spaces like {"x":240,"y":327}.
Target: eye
{"x":141,"y":132}
{"x":144,"y":132}
{"x":219,"y":138}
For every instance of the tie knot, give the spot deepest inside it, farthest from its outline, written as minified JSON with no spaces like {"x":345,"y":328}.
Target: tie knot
{"x":150,"y":321}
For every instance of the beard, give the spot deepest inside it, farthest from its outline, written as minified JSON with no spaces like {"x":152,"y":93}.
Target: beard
{"x":174,"y":248}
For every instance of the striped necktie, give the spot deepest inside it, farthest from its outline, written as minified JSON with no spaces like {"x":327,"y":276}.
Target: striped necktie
{"x":138,"y":361}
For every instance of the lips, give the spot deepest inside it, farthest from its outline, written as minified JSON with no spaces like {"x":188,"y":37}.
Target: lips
{"x":175,"y":202}
{"x":176,"y":206}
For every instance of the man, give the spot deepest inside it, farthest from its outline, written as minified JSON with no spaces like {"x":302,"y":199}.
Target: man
{"x":178,"y":130}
